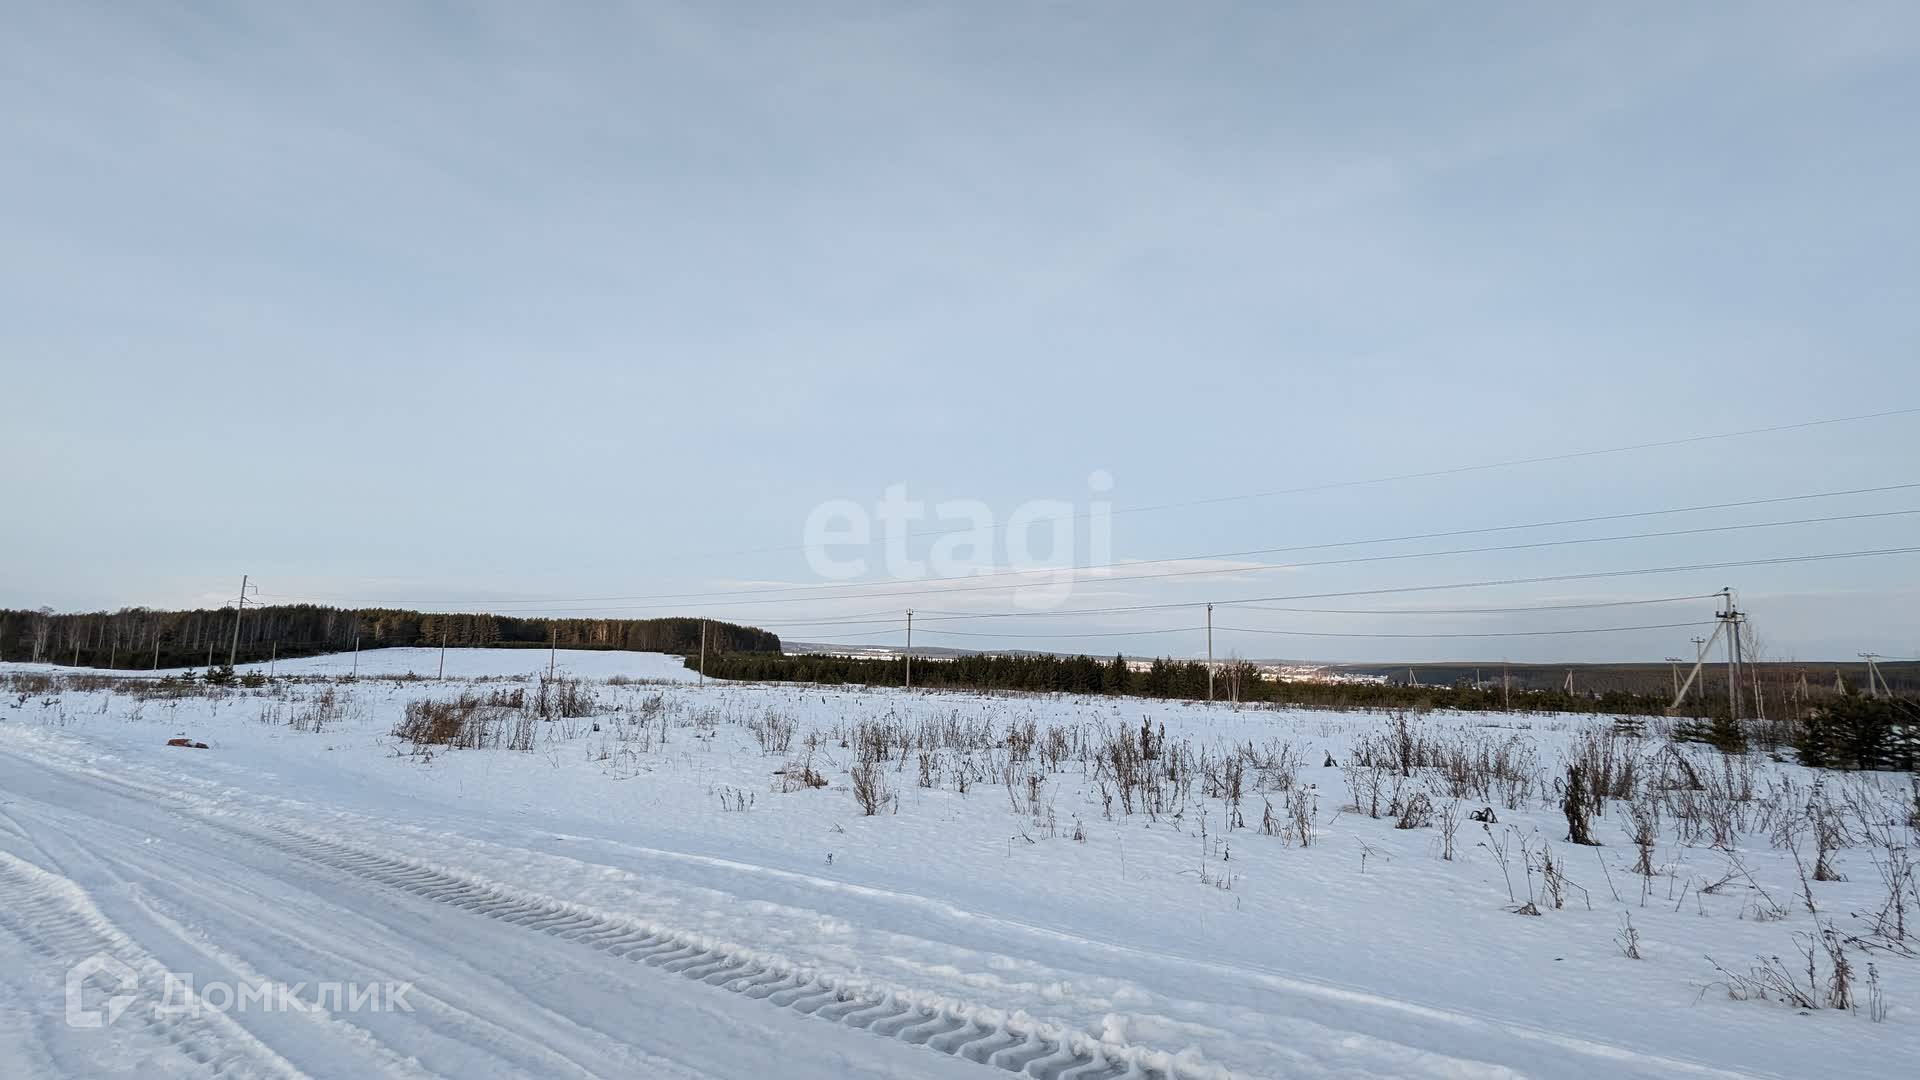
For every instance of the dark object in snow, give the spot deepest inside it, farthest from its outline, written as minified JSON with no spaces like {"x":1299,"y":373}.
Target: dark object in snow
{"x":1330,"y":762}
{"x":1484,"y":814}
{"x":188,"y":743}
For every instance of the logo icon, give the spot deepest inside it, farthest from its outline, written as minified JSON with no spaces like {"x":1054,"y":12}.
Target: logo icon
{"x":121,"y":977}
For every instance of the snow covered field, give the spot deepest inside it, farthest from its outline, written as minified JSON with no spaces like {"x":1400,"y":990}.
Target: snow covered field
{"x":657,"y":886}
{"x":460,"y":664}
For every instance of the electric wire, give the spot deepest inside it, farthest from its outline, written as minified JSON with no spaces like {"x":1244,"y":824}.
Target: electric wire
{"x":1429,"y":474}
{"x":816,"y":591}
{"x":1489,"y":634}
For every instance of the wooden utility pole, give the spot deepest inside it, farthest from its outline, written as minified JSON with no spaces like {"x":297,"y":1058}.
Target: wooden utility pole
{"x":703,"y":652}
{"x":909,"y":648}
{"x":1674,"y":663}
{"x":443,"y":650}
{"x":239,"y":605}
{"x":1209,"y":653}
{"x":356,"y":656}
{"x":553,"y":649}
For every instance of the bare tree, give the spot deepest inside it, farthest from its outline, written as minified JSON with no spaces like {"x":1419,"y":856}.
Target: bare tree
{"x":42,"y":631}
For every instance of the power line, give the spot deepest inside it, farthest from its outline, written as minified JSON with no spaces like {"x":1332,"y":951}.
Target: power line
{"x":1429,"y":474}
{"x":1307,"y":633}
{"x":1350,"y":561}
{"x":1481,"y":610}
{"x":892,"y":618}
{"x":815,"y":591}
{"x":1498,"y":634}
{"x":933,"y":613}
{"x":1488,"y":583}
{"x":1272,"y":567}
{"x":892,"y":614}
{"x":1067,"y":637}
{"x":1250,"y":602}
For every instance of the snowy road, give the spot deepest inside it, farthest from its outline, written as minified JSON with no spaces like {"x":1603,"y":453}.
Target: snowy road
{"x":504,"y":981}
{"x":88,"y":865}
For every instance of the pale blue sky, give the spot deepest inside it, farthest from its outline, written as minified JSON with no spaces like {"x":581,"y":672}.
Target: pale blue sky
{"x":515,"y":302}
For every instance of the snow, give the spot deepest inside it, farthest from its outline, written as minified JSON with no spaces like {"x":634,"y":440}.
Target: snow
{"x":460,"y":664}
{"x":800,"y":937}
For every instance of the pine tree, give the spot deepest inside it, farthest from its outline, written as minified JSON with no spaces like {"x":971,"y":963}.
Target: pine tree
{"x":1726,"y":735}
{"x":1862,"y":733}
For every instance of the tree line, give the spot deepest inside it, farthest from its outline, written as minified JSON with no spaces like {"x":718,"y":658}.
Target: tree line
{"x":139,"y":638}
{"x":1844,"y":731}
{"x":1162,"y":678}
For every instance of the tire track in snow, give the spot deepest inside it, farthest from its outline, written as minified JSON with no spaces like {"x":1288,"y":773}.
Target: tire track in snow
{"x":215,"y":807}
{"x":528,"y":1039}
{"x":54,"y":917}
{"x":456,"y":1021}
{"x":1016,"y":1043}
{"x":1452,"y":1016}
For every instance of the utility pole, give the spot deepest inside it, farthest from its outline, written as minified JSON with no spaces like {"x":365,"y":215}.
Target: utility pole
{"x":1506,"y":684}
{"x":238,"y":606}
{"x":1729,"y":617}
{"x":1699,"y":652}
{"x":156,"y":650}
{"x":703,"y":652}
{"x":553,"y":649}
{"x":273,"y":658}
{"x":1700,"y":648}
{"x":1209,"y":653}
{"x":1874,"y":679}
{"x":356,"y":656}
{"x":909,"y":648}
{"x":1568,"y":688}
{"x":1738,"y":640}
{"x":1674,"y":663}
{"x":443,"y":650}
